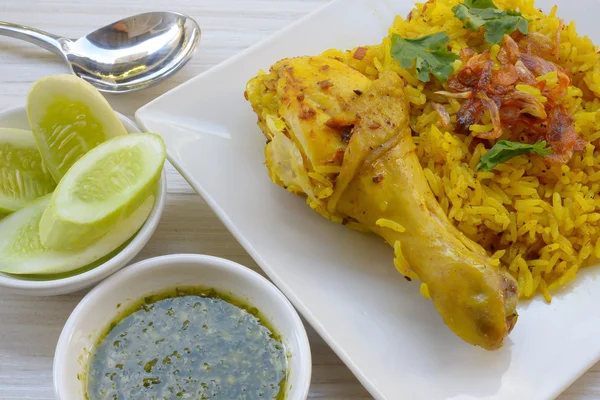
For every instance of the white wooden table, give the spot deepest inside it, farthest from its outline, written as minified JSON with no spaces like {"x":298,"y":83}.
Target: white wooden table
{"x":29,"y":327}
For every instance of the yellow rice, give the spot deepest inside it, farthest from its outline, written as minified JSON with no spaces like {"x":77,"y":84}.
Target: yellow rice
{"x":542,"y":223}
{"x":393,"y":225}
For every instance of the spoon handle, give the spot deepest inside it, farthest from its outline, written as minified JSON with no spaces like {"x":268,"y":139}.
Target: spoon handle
{"x":43,"y":39}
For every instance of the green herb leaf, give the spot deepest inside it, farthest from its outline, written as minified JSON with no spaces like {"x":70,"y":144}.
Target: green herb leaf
{"x":505,"y":150}
{"x":429,"y":54}
{"x":497,"y":23}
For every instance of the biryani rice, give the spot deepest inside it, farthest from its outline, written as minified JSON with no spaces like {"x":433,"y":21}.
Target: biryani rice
{"x":542,"y":222}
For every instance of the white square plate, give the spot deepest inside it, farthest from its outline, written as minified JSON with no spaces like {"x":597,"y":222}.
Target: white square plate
{"x":343,"y":282}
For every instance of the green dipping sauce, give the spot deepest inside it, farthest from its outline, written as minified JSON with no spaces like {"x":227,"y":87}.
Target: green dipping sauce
{"x":189,"y":344}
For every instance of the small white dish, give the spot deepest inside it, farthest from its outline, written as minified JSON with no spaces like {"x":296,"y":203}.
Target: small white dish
{"x":17,"y":118}
{"x":101,"y":306}
{"x":344,"y":282}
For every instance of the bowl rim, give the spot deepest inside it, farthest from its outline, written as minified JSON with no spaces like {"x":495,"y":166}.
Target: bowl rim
{"x":82,"y":280}
{"x":302,"y":364}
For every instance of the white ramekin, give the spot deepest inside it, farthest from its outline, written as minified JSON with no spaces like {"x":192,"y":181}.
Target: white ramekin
{"x":101,"y":306}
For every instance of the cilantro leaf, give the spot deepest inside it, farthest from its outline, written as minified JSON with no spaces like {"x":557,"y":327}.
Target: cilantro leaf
{"x":429,"y":54}
{"x":505,"y":150}
{"x":497,"y":23}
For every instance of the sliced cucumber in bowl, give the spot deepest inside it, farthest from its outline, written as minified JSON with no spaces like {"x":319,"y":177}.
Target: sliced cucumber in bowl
{"x":72,"y":273}
{"x":22,"y":253}
{"x":23,"y":176}
{"x":101,"y":189}
{"x":69,"y":117}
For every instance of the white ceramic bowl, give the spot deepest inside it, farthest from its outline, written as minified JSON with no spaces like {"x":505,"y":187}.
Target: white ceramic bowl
{"x":100,"y":307}
{"x":17,"y":118}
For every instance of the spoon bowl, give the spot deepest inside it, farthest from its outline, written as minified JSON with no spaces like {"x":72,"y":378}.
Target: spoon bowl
{"x":127,"y":55}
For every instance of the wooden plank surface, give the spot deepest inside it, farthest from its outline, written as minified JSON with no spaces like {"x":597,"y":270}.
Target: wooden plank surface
{"x":29,"y":327}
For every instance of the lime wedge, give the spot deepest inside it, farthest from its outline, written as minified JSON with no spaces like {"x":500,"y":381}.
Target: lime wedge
{"x":69,"y":117}
{"x":23,"y":177}
{"x":101,"y":189}
{"x":22,"y":253}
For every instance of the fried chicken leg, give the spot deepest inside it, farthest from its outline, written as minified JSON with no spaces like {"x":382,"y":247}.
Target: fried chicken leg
{"x":344,"y":141}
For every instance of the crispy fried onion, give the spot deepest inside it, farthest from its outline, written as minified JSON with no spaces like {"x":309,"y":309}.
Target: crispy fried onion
{"x":509,"y":92}
{"x":442,"y":113}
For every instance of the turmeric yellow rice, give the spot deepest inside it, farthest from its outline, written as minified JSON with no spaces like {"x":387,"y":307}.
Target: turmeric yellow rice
{"x":541,"y":221}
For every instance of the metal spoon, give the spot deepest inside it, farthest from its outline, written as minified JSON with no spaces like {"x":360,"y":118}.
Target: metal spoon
{"x":127,"y":55}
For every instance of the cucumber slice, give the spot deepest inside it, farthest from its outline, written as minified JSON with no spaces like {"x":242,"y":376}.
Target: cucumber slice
{"x":23,"y":176}
{"x":101,"y":189}
{"x":68,"y":274}
{"x":21,"y":252}
{"x":69,"y":117}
